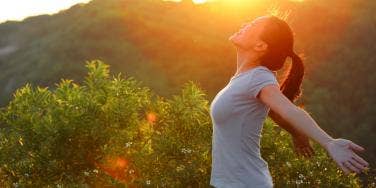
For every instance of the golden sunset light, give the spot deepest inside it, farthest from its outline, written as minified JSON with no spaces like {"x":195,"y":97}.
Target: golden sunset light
{"x":18,"y":9}
{"x":199,"y":1}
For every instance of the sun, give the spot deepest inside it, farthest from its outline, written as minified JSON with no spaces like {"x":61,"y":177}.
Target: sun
{"x":199,"y":1}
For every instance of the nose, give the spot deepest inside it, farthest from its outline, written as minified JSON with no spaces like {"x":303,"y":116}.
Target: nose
{"x":243,"y":29}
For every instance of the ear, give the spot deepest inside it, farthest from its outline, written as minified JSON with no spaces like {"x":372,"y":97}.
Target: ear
{"x":260,"y":46}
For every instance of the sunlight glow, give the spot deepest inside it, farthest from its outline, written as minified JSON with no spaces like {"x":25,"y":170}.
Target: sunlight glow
{"x":199,"y":1}
{"x":194,"y":1}
{"x":115,"y":167}
{"x":20,"y":9}
{"x":230,"y":2}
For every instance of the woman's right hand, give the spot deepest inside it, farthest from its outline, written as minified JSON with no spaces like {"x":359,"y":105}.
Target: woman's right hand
{"x":342,"y":152}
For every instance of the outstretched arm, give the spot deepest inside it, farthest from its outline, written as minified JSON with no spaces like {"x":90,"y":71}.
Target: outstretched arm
{"x":341,"y":150}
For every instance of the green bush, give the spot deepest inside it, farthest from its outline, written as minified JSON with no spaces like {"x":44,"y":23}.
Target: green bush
{"x":116,"y":132}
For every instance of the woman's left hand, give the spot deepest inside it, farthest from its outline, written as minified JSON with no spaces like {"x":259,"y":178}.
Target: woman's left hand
{"x":302,"y":145}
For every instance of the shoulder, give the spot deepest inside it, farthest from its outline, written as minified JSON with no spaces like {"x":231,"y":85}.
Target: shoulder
{"x":261,"y":77}
{"x":262,"y":73}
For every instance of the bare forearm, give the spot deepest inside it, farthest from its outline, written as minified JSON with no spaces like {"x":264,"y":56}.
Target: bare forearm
{"x":302,"y":121}
{"x":282,"y":123}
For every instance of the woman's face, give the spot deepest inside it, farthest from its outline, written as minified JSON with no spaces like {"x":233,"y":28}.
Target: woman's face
{"x":248,"y":37}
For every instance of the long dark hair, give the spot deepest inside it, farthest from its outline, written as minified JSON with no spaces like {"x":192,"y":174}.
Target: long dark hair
{"x":280,"y":39}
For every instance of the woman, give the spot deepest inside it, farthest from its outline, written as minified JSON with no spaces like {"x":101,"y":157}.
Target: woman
{"x":239,"y":109}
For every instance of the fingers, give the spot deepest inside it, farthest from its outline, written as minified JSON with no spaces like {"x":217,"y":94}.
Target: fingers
{"x":298,"y":151}
{"x":351,"y":166}
{"x":304,"y":150}
{"x":311,"y":151}
{"x":307,"y":152}
{"x":356,"y":147}
{"x":357,"y":165}
{"x":360,"y":160}
{"x":344,"y":168}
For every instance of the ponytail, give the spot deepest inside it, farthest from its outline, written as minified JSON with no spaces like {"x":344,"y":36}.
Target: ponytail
{"x":279,"y":37}
{"x":291,"y":85}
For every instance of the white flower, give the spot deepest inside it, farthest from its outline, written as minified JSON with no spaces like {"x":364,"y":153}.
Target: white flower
{"x":95,"y":171}
{"x":180,"y":168}
{"x":301,"y":176}
{"x":318,"y":164}
{"x":128,"y":144}
{"x":184,"y":150}
{"x":298,"y":182}
{"x":131,"y":171}
{"x":148,"y":182}
{"x":288,"y":164}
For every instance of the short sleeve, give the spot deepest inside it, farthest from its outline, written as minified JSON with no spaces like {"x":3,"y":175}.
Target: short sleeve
{"x":259,"y":79}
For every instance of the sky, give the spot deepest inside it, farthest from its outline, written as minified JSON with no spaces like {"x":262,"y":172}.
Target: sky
{"x":20,"y":9}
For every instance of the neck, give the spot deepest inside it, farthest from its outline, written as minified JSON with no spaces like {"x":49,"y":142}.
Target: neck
{"x":245,"y":62}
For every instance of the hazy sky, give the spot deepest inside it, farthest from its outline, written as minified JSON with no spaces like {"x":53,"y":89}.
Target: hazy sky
{"x":20,"y":9}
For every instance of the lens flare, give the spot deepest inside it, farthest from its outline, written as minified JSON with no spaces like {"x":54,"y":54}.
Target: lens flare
{"x":151,"y":117}
{"x":117,"y":168}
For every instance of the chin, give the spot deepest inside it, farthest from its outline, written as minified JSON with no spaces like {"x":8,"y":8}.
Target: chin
{"x":232,"y":38}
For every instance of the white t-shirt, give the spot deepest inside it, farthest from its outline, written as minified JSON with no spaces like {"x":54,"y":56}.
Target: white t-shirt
{"x":237,"y":119}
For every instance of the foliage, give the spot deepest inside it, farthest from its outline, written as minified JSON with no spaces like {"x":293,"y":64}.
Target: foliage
{"x":116,"y":132}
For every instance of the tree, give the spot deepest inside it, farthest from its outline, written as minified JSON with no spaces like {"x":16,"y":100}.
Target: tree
{"x":115,"y":132}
